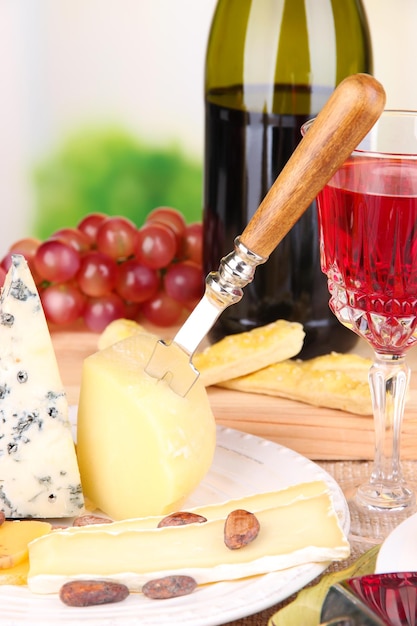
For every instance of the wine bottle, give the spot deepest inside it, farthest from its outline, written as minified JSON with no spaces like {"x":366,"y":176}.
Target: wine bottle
{"x":270,"y":66}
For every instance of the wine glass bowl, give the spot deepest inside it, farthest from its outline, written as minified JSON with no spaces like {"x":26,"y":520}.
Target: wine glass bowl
{"x":368,"y":250}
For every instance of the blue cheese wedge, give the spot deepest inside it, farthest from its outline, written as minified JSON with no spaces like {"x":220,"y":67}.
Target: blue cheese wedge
{"x":39,"y":474}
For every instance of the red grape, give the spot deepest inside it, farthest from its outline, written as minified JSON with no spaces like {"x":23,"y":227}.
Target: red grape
{"x":63,"y":303}
{"x":132,"y":310}
{"x":155,"y":245}
{"x":6,"y":262}
{"x":183,"y":282}
{"x":193,"y":246}
{"x":99,"y":312}
{"x":27,"y":247}
{"x":191,"y":304}
{"x":162,"y":310}
{"x":89,"y":225}
{"x":97,"y":274}
{"x":56,"y":261}
{"x":107,"y":268}
{"x":2,"y":276}
{"x":73,"y":237}
{"x":172,"y":218}
{"x":116,"y":236}
{"x":136,"y":282}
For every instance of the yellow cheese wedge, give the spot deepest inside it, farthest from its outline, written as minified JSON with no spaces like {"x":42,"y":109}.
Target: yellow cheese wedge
{"x":253,"y":503}
{"x":141,"y":448}
{"x":116,"y":331}
{"x":16,"y":575}
{"x":14,"y":539}
{"x":305,"y":531}
{"x":237,"y":355}
{"x":336,"y":381}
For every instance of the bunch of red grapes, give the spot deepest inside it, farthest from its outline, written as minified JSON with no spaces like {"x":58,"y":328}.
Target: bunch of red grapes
{"x":107,"y":268}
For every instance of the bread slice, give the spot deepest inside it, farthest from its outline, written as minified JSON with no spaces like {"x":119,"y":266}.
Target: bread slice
{"x":337,"y":381}
{"x":242,"y":353}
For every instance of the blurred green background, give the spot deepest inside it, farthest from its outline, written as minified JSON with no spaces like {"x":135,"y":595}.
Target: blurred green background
{"x":108,"y":170}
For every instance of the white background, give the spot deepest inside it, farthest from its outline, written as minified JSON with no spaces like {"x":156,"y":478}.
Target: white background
{"x":67,"y":62}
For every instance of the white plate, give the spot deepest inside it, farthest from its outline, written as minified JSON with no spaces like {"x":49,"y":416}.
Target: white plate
{"x":398,"y":553}
{"x":243,"y":464}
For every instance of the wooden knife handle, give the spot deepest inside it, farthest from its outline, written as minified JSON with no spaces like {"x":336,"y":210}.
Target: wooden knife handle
{"x":349,"y":114}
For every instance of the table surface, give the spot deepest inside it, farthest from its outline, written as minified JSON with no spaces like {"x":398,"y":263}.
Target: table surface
{"x":315,"y":432}
{"x":339,"y":442}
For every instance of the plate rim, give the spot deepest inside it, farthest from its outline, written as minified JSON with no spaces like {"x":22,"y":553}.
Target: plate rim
{"x":269,"y":593}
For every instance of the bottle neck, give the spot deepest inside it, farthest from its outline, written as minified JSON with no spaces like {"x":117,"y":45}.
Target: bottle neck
{"x":272,"y":100}
{"x":305,"y":47}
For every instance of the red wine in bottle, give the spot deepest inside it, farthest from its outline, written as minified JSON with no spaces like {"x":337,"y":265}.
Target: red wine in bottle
{"x":252,"y":127}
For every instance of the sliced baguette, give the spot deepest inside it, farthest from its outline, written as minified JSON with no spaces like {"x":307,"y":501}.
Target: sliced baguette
{"x":337,"y":381}
{"x":243,"y":353}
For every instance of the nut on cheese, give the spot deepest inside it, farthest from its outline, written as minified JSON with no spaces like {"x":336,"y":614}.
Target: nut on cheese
{"x":220,"y":510}
{"x":293,"y":531}
{"x":142,"y":449}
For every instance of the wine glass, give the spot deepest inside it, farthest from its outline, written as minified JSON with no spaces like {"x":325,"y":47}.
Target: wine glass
{"x":368,"y":245}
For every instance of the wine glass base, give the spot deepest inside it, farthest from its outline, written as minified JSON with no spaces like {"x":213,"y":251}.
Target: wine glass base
{"x":377,"y":497}
{"x":374,"y":517}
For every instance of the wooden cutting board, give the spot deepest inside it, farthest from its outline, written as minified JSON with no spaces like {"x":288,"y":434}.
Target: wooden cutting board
{"x":318,"y":433}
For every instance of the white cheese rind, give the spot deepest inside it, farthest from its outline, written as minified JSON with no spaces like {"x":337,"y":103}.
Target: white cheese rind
{"x":39,"y":474}
{"x":305,"y":531}
{"x":220,"y":510}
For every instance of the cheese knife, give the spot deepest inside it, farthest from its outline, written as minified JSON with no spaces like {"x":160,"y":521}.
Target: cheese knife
{"x":348,"y":115}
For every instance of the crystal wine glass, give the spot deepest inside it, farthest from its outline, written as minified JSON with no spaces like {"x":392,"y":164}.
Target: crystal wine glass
{"x":368,"y":238}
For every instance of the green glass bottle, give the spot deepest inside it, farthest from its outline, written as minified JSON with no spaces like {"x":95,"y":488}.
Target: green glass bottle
{"x":270,"y":66}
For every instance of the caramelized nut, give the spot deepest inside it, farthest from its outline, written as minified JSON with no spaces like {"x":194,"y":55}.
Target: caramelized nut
{"x":241,"y":527}
{"x":87,"y":520}
{"x":181,"y":518}
{"x":92,"y":592}
{"x":169,"y":587}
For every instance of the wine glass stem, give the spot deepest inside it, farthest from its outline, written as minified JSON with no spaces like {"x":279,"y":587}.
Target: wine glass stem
{"x":388,"y":378}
